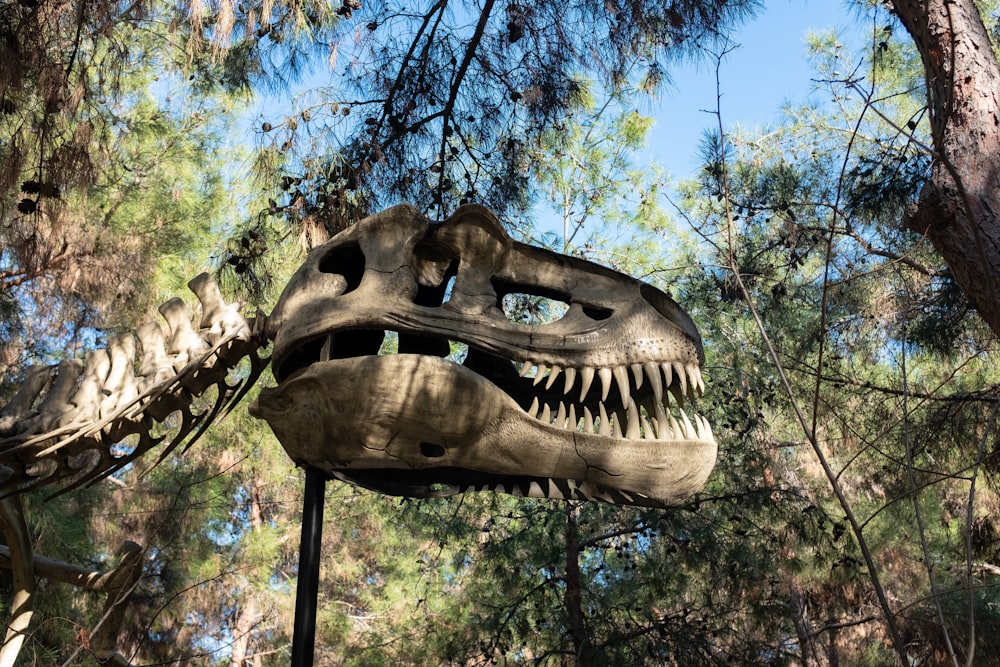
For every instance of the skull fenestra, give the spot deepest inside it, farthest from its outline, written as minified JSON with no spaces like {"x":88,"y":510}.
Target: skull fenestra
{"x":577,"y":408}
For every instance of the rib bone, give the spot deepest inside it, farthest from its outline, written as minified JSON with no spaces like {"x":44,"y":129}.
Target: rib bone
{"x":68,"y":434}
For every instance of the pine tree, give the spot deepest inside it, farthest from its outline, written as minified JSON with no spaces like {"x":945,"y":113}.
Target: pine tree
{"x":851,"y":517}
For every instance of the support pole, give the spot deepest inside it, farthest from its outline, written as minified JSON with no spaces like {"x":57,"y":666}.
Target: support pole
{"x":304,"y":630}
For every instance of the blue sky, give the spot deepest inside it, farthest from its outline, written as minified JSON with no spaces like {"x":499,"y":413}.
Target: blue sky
{"x":769,"y":68}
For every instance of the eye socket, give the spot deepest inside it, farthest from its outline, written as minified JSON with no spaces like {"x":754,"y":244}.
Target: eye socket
{"x":347,"y":261}
{"x":436,"y":295}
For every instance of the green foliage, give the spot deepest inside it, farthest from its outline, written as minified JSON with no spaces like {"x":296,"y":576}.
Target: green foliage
{"x":870,"y":338}
{"x":104,"y":181}
{"x":787,"y":240}
{"x":447,"y":104}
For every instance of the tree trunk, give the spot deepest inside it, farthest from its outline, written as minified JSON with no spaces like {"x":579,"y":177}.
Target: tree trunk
{"x":959,"y":208}
{"x":249,"y":617}
{"x":573,"y":599}
{"x":800,"y":620}
{"x":249,"y":614}
{"x":15,"y":531}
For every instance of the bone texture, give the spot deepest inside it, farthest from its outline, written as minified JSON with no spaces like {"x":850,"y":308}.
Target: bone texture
{"x":67,"y":425}
{"x":596,"y":405}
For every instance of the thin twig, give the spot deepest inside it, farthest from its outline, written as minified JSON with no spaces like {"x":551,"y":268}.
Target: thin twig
{"x":991,"y":424}
{"x":915,"y":498}
{"x":810,"y":433}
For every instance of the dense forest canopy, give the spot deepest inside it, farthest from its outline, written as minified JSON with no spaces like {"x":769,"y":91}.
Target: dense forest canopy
{"x":843,"y":269}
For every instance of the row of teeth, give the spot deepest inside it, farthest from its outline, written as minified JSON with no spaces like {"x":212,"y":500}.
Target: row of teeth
{"x":679,"y":379}
{"x":638,"y":424}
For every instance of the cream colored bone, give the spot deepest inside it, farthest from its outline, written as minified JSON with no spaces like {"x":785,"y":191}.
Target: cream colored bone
{"x":20,"y":407}
{"x":411,"y":400}
{"x":185,"y":344}
{"x":121,"y":386}
{"x":92,"y":405}
{"x":217,"y":317}
{"x":589,"y":416}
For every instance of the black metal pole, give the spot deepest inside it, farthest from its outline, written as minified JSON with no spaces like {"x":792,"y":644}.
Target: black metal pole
{"x":304,"y":630}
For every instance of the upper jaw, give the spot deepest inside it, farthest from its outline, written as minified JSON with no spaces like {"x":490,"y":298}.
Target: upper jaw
{"x":397,"y":271}
{"x":638,"y":401}
{"x":635,"y":335}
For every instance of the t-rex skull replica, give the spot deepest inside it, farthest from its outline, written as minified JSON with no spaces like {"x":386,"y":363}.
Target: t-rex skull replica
{"x":578,"y":408}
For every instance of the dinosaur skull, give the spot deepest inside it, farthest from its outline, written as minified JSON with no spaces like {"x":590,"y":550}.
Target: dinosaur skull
{"x":578,"y":408}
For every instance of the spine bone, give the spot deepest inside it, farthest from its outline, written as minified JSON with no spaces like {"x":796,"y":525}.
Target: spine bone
{"x":67,"y":433}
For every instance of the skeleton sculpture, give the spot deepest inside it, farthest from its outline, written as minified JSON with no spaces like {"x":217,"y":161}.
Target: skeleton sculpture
{"x":576,"y":409}
{"x":84,"y":421}
{"x":592,"y":423}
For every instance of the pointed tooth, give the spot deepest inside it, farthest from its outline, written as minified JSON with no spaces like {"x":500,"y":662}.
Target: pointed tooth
{"x":662,"y":424}
{"x":676,"y":428}
{"x":692,"y":431}
{"x":616,"y":429}
{"x":605,"y":375}
{"x":546,"y":415}
{"x":637,"y":374}
{"x":586,"y":377}
{"x":570,"y":374}
{"x":533,"y":410}
{"x":692,"y":382}
{"x":708,"y":435}
{"x":606,"y":497}
{"x":573,"y":421}
{"x":668,"y":373}
{"x":632,"y":429}
{"x":675,"y":391}
{"x":697,"y":381}
{"x":588,"y":421}
{"x":605,"y":427}
{"x":535,"y":491}
{"x":539,"y":374}
{"x":324,"y":353}
{"x":653,"y":373}
{"x":561,"y":415}
{"x":699,"y":426}
{"x":662,"y":430}
{"x":689,"y":431}
{"x":526,"y":368}
{"x":647,"y":428}
{"x":681,"y":376}
{"x":621,"y":378}
{"x":553,"y":374}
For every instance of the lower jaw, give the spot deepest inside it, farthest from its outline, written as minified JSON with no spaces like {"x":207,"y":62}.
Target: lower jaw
{"x":421,"y":413}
